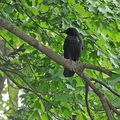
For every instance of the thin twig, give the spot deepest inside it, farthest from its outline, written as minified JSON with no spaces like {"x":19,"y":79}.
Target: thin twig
{"x":28,"y":89}
{"x":113,"y":108}
{"x":7,"y":42}
{"x":87,"y":101}
{"x":98,"y":68}
{"x":100,"y":82}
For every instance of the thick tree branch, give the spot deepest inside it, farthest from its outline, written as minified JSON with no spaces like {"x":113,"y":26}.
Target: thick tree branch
{"x":60,"y":60}
{"x":33,"y":42}
{"x":98,"y":93}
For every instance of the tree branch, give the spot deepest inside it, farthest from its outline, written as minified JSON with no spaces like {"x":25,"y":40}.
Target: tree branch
{"x":98,"y":68}
{"x":28,"y":89}
{"x":100,"y":82}
{"x":60,"y":60}
{"x":113,"y":108}
{"x":33,"y":42}
{"x":98,"y":93}
{"x":87,"y":101}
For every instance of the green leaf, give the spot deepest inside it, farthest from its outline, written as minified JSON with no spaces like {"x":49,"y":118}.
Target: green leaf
{"x":113,"y":80}
{"x":62,"y":98}
{"x":44,"y":8}
{"x":34,"y":11}
{"x":33,"y":116}
{"x":8,"y":9}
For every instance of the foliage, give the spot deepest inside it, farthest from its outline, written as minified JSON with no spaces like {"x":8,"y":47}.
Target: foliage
{"x":99,"y":25}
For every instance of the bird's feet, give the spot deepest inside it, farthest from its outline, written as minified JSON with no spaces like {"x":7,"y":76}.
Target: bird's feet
{"x":74,"y":65}
{"x":78,"y":62}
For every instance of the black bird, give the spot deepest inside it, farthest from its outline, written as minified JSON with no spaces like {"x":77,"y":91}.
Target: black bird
{"x":73,"y":45}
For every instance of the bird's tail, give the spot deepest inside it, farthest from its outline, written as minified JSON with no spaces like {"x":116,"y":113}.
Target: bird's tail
{"x":68,"y":73}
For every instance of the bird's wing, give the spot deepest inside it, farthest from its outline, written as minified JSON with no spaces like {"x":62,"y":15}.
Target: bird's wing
{"x":73,"y":46}
{"x":67,"y":47}
{"x":81,"y":43}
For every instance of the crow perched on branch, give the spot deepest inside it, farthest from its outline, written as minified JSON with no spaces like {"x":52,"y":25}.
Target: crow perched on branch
{"x":73,"y":45}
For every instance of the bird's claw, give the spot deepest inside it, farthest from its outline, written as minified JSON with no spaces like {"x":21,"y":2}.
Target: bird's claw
{"x":74,"y":65}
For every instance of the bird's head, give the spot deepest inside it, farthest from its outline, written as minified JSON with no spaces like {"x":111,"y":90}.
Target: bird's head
{"x":71,"y":31}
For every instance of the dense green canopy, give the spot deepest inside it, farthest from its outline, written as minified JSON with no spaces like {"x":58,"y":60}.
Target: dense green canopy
{"x":34,"y":86}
